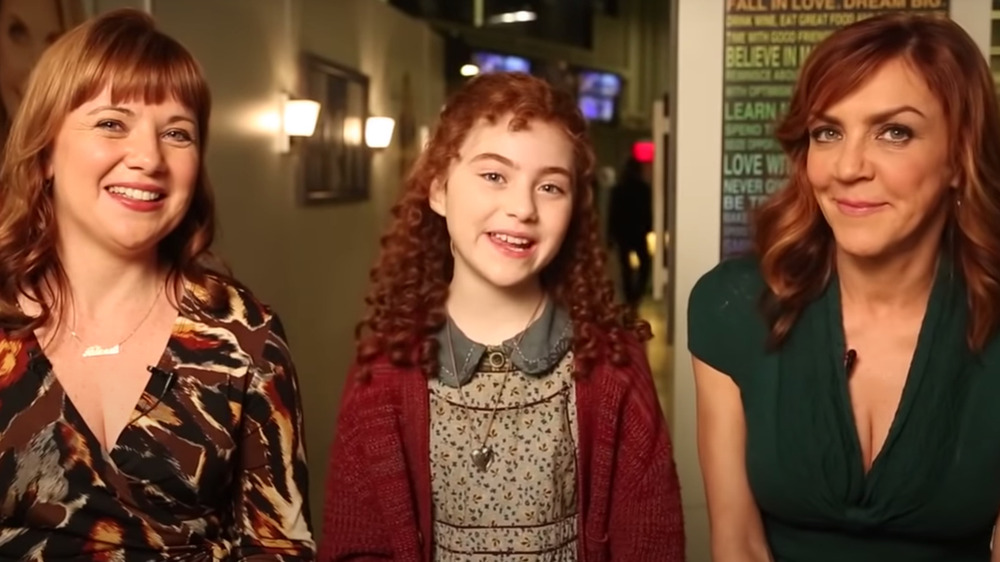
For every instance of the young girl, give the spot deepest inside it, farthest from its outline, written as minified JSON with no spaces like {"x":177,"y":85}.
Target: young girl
{"x":501,"y":405}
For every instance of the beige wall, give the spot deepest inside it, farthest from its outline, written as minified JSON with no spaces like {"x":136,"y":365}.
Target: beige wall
{"x":698,"y":128}
{"x":311,"y":264}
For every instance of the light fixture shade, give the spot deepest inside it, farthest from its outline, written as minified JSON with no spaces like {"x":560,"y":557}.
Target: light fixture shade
{"x":378,"y":131}
{"x":300,"y":117}
{"x":520,"y":16}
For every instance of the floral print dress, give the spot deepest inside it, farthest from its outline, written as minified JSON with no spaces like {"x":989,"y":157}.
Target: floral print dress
{"x":523,"y":507}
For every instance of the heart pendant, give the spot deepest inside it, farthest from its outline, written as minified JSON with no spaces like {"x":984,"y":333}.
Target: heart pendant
{"x":482,"y":458}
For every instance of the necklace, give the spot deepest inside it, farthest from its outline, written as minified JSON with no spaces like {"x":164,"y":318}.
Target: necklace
{"x":483,"y":456}
{"x":99,"y":351}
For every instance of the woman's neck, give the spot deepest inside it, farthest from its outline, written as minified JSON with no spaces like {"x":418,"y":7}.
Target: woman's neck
{"x":104,"y":286}
{"x":887,"y":285}
{"x":491,"y":315}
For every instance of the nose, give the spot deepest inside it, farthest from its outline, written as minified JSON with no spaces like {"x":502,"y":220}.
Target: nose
{"x":520,"y":203}
{"x":852,"y":163}
{"x":145,"y":152}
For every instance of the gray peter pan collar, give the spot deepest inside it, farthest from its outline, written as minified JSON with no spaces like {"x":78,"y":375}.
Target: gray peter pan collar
{"x":544,"y":344}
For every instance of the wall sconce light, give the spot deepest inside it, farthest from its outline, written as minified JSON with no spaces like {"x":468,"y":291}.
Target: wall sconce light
{"x":298,"y":119}
{"x":520,"y":16}
{"x":378,"y":131}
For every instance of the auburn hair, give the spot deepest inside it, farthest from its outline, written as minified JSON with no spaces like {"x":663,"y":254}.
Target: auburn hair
{"x":794,"y":243}
{"x":405,"y":306}
{"x":123,"y":51}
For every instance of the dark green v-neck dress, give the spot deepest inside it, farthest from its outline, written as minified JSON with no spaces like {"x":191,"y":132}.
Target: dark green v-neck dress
{"x":933,"y":491}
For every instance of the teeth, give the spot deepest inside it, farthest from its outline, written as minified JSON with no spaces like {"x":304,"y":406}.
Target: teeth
{"x":132,"y":193}
{"x":512,"y":239}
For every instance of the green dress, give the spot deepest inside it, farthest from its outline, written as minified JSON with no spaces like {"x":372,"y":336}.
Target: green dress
{"x":932,"y":493}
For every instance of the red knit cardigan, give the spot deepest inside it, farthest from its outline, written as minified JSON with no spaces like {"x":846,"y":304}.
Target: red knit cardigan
{"x":378,"y":495}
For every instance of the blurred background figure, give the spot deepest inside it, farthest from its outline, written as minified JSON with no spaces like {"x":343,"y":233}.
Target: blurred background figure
{"x":630,"y":219}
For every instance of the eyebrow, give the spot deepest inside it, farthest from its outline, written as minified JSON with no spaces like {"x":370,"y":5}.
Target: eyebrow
{"x":877,"y":117}
{"x":510,"y":163}
{"x":129,"y":113}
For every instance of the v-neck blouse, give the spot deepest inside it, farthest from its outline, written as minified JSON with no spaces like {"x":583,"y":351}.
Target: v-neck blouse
{"x":211,"y":466}
{"x":932,"y":492}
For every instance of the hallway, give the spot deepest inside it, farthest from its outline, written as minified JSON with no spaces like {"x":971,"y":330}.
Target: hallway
{"x":660,"y":353}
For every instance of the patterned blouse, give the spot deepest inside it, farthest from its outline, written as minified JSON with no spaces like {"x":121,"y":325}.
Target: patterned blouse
{"x":211,"y":467}
{"x":523,"y":506}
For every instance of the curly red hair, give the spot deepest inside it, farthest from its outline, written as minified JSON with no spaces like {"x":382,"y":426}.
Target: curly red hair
{"x":406,"y":301}
{"x":793,"y":241}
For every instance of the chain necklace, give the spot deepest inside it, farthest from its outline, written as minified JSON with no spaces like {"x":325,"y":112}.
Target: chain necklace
{"x":99,"y":351}
{"x":484,"y":455}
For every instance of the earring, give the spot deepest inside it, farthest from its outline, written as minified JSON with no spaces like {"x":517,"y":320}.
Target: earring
{"x":451,"y":246}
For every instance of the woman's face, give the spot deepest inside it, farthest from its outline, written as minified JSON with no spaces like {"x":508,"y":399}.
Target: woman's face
{"x":879,"y":165}
{"x":123,"y":174}
{"x":27,"y":27}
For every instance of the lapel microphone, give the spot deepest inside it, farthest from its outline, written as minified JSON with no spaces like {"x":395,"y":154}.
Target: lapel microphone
{"x":170,"y":375}
{"x":850,"y":358}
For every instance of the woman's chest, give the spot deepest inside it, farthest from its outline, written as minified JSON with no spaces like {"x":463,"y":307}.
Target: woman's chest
{"x":175,"y":451}
{"x":934,"y":474}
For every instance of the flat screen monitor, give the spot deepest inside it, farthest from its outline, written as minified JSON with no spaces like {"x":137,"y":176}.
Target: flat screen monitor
{"x":603,"y":84}
{"x":596,"y":108}
{"x":496,"y":62}
{"x":597,"y":95}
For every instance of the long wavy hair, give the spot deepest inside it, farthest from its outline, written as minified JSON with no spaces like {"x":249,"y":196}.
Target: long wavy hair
{"x":792,"y":239}
{"x":121,"y":50}
{"x":406,"y":301}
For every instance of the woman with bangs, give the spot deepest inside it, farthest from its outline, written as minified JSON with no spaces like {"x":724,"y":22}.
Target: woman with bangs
{"x":149,"y":408}
{"x":848,"y":373}
{"x":501,"y":405}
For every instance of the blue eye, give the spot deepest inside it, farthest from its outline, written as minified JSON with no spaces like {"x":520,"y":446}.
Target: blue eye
{"x":896,"y":133}
{"x":824,"y":134}
{"x":180,"y":135}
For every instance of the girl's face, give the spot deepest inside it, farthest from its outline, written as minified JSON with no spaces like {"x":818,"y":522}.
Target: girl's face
{"x":508,"y":201}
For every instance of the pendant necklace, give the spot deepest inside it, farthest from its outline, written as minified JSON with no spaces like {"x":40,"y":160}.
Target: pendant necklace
{"x":484,"y":455}
{"x":100,"y":351}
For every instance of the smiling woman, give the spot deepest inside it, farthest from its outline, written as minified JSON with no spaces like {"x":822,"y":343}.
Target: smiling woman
{"x":848,"y":372}
{"x":150,"y":404}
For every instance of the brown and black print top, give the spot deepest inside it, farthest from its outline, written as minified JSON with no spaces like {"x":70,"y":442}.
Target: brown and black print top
{"x":211,"y":467}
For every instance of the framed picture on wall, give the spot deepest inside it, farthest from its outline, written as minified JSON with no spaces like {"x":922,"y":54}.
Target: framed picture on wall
{"x":28,"y":28}
{"x":335,"y":162}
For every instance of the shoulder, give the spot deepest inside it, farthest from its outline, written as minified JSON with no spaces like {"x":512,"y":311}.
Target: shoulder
{"x":633,"y":381}
{"x":735,"y":282}
{"x":381,"y":392}
{"x":725,"y":326}
{"x":384,"y":383}
{"x":14,"y":357}
{"x":239,"y":318}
